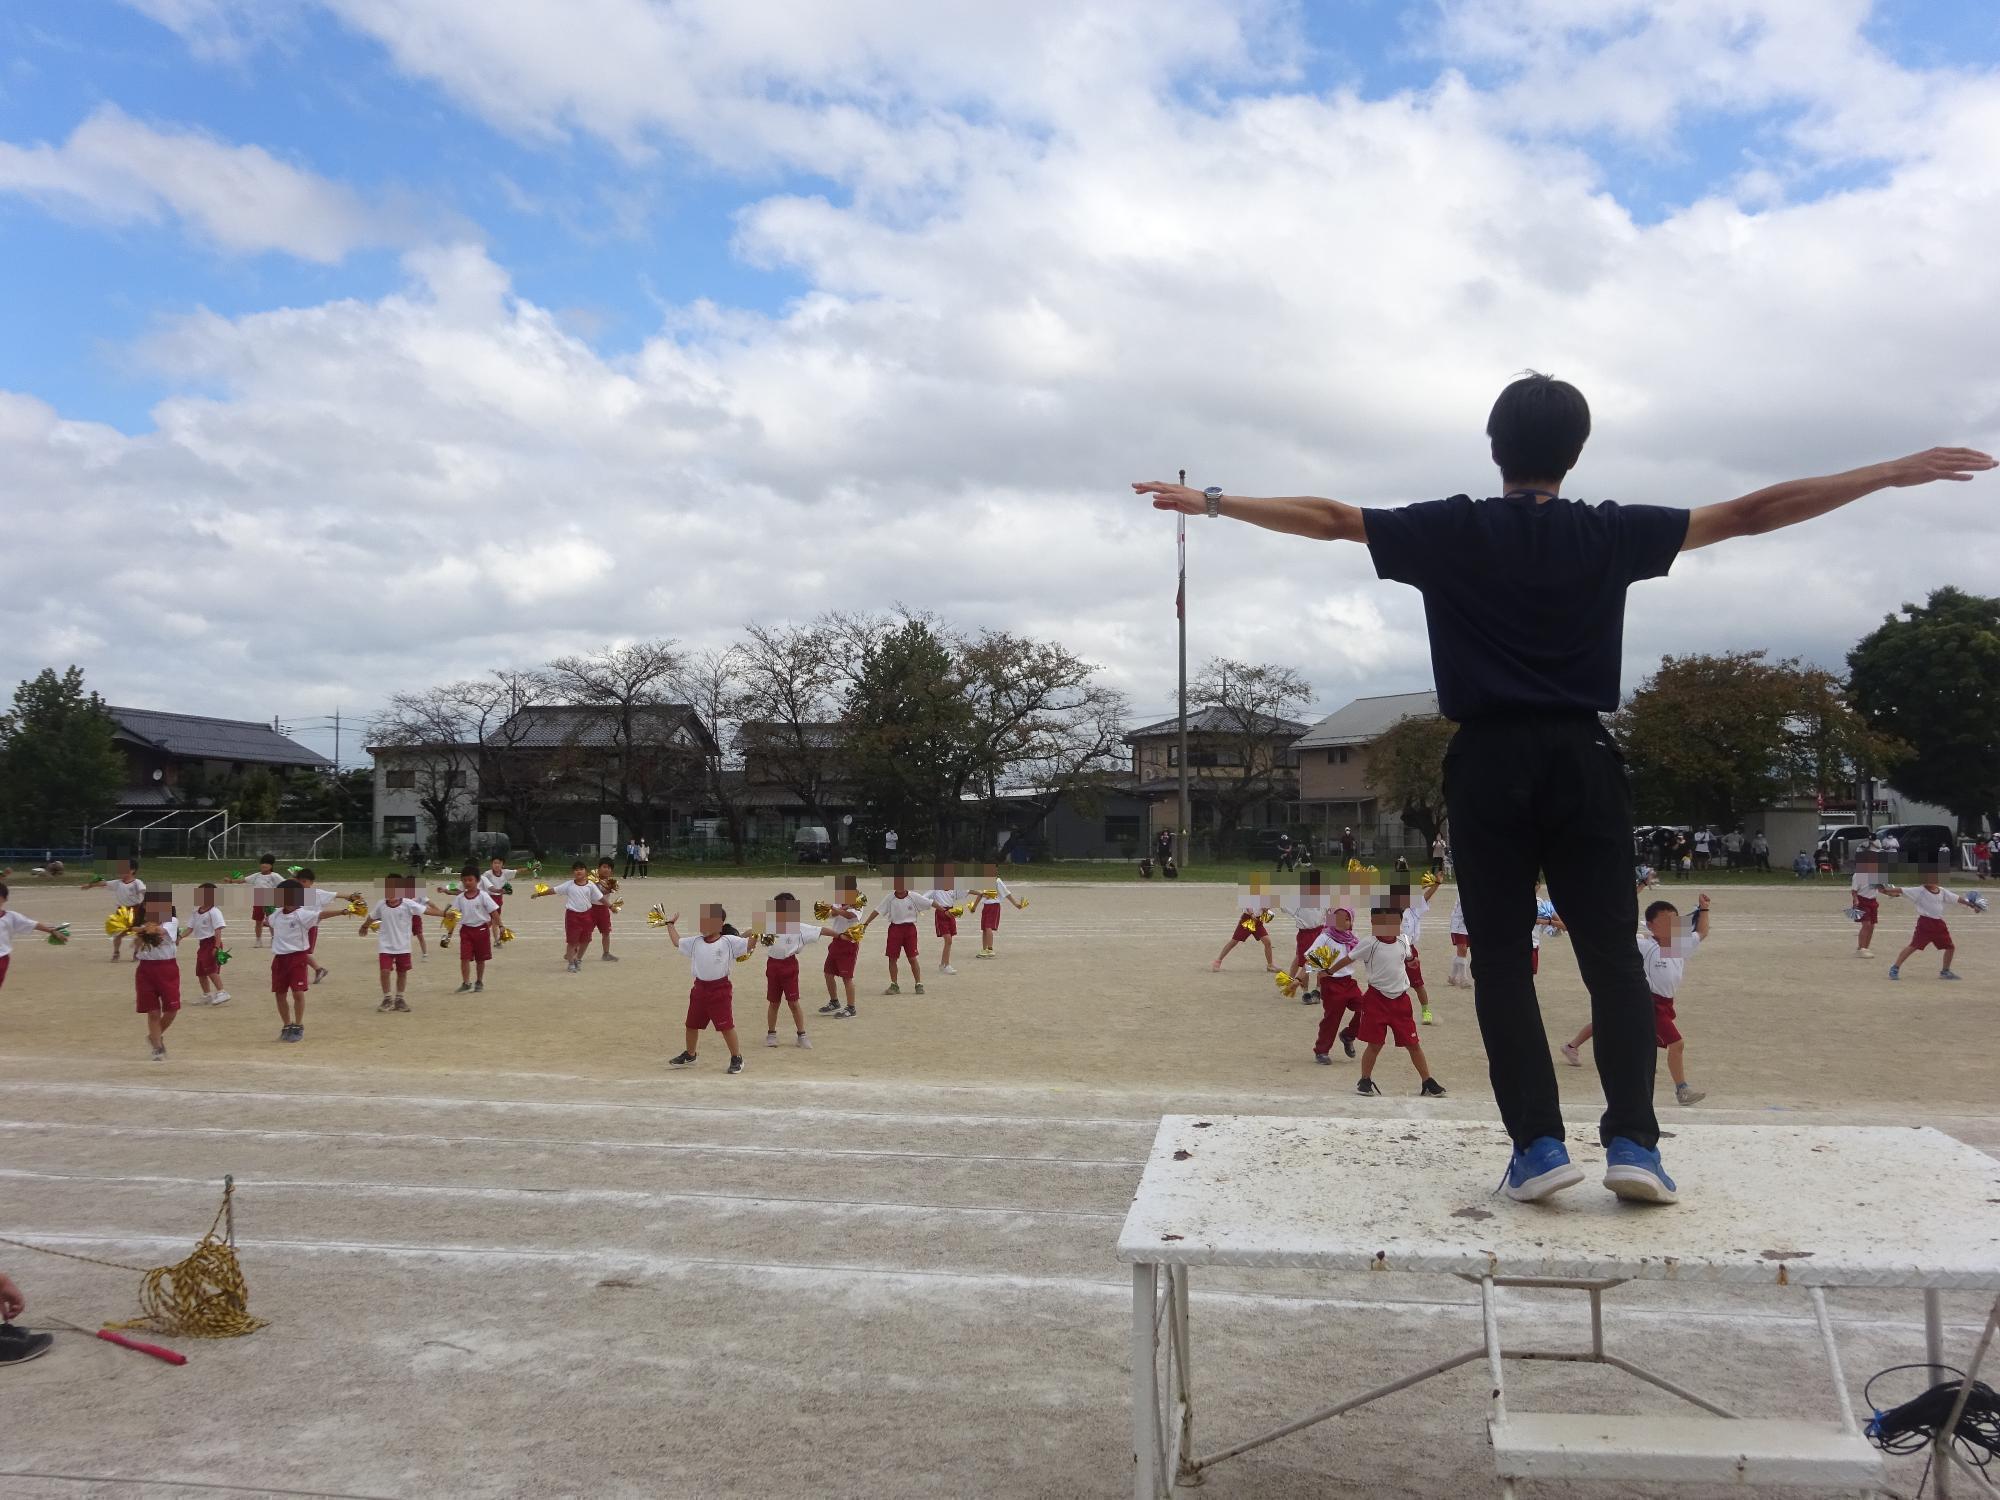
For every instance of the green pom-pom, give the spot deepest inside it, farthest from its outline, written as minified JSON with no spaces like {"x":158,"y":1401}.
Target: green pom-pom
{"x":507,"y":889}
{"x":222,"y":955}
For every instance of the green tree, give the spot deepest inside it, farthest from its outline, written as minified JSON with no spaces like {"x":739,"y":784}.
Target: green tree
{"x":907,"y":727}
{"x":60,"y":768}
{"x":1406,"y":770}
{"x":1708,"y":738}
{"x":1931,"y":678}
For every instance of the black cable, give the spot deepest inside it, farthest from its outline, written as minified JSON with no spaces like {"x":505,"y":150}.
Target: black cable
{"x":1913,"y":1426}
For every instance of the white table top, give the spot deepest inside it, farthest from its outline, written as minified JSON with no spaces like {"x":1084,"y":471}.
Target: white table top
{"x":1795,"y":1205}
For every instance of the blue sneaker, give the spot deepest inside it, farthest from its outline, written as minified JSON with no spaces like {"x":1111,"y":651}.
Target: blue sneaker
{"x":1895,"y":971}
{"x":1633,"y":1172}
{"x":1541,"y":1171}
{"x":1946,"y":974}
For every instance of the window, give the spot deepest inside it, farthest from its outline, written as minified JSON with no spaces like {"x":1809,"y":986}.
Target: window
{"x":1337,"y":757}
{"x":1123,"y":828}
{"x":392,"y":827}
{"x":402,"y":781}
{"x":1202,"y":756}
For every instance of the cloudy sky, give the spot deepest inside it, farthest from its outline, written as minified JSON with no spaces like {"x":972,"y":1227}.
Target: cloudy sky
{"x":353,"y":345}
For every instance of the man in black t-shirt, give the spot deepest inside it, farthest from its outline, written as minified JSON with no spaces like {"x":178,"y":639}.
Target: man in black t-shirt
{"x":1524,"y":596}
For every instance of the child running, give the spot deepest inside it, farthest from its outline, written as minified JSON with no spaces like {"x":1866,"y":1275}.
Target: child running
{"x":600,"y":914}
{"x":1665,"y":953}
{"x":292,"y":922}
{"x":902,"y":907}
{"x":476,"y":910}
{"x":1869,"y":888}
{"x":206,"y":926}
{"x":581,"y":900}
{"x":711,"y":1000}
{"x":392,"y":920}
{"x":1309,"y":911}
{"x":781,"y":967}
{"x":1252,"y":907}
{"x":1339,"y":995}
{"x":990,"y":898}
{"x":841,"y":950}
{"x":14,"y":922}
{"x":127,"y":892}
{"x":156,"y":971}
{"x":1930,"y":899}
{"x":1385,"y":1006}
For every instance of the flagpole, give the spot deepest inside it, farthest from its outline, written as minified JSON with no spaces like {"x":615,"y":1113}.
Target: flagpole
{"x":1186,"y":841}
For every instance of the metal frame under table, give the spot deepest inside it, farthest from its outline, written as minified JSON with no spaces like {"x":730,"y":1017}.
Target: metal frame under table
{"x":1785,"y":1206}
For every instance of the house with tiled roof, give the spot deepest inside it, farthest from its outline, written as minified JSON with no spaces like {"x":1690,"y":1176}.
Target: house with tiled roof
{"x":1242,"y":773}
{"x":1333,"y":771}
{"x":163,"y":749}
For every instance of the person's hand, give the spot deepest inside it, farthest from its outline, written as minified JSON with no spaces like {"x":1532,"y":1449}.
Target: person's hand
{"x":1701,"y":901}
{"x":1937,"y":463}
{"x":1179,"y":497}
{"x":12,"y":1303}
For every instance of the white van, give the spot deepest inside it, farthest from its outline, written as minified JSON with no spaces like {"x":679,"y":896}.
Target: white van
{"x":812,"y":845}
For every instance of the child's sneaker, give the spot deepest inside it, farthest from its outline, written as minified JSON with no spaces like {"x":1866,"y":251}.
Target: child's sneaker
{"x":402,"y":1004}
{"x":831,"y":1008}
{"x":465,"y":988}
{"x":1347,"y":1041}
{"x":220,"y":997}
{"x":920,"y":988}
{"x":1633,"y":1172}
{"x":1895,"y":971}
{"x":947,"y":969}
{"x":1863,"y":953}
{"x":1942,"y":974}
{"x":1367,"y":1086}
{"x":1432,"y":1089}
{"x":1322,"y":1059}
{"x":609,"y":958}
{"x":1572,"y":1054}
{"x":159,"y":1053}
{"x":298,"y":1033}
{"x":894,"y":989}
{"x":388,"y":1003}
{"x":319,"y":975}
{"x":18,"y":1346}
{"x":736,"y":1064}
{"x":845,"y":1013}
{"x":1308,"y":999}
{"x":802,"y":1042}
{"x":478,"y":985}
{"x":770,"y":1039}
{"x":1685,"y":1093}
{"x":682,"y":1061}
{"x":1427,"y":1018}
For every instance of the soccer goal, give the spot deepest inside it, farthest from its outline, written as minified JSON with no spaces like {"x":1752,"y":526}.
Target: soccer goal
{"x":288,"y":841}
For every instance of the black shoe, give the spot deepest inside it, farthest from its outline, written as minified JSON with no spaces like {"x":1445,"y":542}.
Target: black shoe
{"x":736,"y":1065}
{"x":1367,"y":1086}
{"x":831,"y":1007}
{"x":18,"y":1345}
{"x":847,"y":1013}
{"x":1433,"y":1089}
{"x":1347,"y":1042}
{"x":682,"y":1061}
{"x":1322,"y":1059}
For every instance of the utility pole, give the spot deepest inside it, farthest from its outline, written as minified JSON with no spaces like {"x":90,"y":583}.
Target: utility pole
{"x":1180,"y":609}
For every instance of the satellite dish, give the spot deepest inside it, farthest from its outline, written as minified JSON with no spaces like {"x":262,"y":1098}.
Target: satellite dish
{"x":847,"y":820}
{"x":159,"y":776}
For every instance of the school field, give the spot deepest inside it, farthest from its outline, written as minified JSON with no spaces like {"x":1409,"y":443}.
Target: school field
{"x":505,"y":1252}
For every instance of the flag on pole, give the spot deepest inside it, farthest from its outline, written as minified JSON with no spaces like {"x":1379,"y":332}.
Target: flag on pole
{"x":1180,"y":593}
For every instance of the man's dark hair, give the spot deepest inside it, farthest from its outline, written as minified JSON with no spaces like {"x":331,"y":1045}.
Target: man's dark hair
{"x":1537,"y":428}
{"x":306,"y":873}
{"x":1659,"y":906}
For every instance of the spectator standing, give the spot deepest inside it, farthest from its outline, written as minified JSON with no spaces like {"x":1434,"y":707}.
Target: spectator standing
{"x":1760,"y":850}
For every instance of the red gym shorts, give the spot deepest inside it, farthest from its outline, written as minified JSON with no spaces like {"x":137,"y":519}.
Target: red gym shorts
{"x":781,"y":980}
{"x":1413,"y":969}
{"x":259,"y":913}
{"x":205,"y":961}
{"x":393,"y":963}
{"x":1306,"y":938}
{"x":711,"y":1003}
{"x":600,"y":919}
{"x":5,"y":959}
{"x":1384,"y":1016}
{"x":943,"y":923}
{"x":989,"y":917}
{"x":1931,"y":933}
{"x":289,"y":971}
{"x":840,"y":956}
{"x":1256,"y":931}
{"x":416,"y":927}
{"x":902,"y":939}
{"x":577,"y":928}
{"x":1665,"y":1032}
{"x":475,"y":942}
{"x":1868,"y":906}
{"x":156,"y":982}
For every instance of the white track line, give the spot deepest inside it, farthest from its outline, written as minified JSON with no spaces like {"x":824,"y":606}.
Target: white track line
{"x":129,"y":1482}
{"x":500,"y":1257}
{"x":383,"y":1138}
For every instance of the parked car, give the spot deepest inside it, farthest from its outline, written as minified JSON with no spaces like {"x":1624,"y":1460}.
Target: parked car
{"x":1839,"y":842}
{"x":1921,"y":841}
{"x":812,"y":845}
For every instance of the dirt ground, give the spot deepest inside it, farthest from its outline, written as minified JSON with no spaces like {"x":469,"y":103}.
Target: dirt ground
{"x":507,"y":1252}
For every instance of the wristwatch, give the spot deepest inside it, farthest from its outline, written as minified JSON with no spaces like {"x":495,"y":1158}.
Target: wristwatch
{"x":1213,"y":494}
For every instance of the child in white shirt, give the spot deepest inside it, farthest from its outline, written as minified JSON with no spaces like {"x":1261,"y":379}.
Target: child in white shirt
{"x":994,"y":892}
{"x":711,"y":1001}
{"x":580,"y":899}
{"x":263,"y":883}
{"x":1664,"y":950}
{"x":1931,"y":899}
{"x":1461,"y":949}
{"x":1868,"y":888}
{"x":156,"y":969}
{"x":205,"y":926}
{"x":319,"y":900}
{"x":476,"y":911}
{"x":945,"y":895}
{"x":1308,"y":909}
{"x":781,"y":966}
{"x":841,"y":926}
{"x":902,"y":907}
{"x":393,"y":920}
{"x":293,"y":922}
{"x":1248,"y":924}
{"x":128,"y":891}
{"x":1385,"y":1004}
{"x":1413,"y":926}
{"x":14,"y":922}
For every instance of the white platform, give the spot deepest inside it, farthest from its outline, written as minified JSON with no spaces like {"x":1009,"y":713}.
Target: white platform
{"x":1790,"y":1205}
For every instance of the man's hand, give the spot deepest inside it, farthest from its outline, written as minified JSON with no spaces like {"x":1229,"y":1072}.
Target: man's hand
{"x":1189,"y":502}
{"x":12,"y":1303}
{"x":1701,"y":901}
{"x":1958,"y":464}
{"x":1294,"y":515}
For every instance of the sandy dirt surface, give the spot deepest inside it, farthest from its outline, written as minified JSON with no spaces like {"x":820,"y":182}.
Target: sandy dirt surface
{"x":506,"y":1252}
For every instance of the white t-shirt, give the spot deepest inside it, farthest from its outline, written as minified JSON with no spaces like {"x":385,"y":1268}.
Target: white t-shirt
{"x":1701,"y":842}
{"x":1383,"y":964}
{"x":712,"y":960}
{"x":260,"y":881}
{"x":12,"y":922}
{"x":1001,"y":893}
{"x":1931,"y":903}
{"x":204,"y":925}
{"x":319,"y":898}
{"x":474,"y":910}
{"x":490,"y":881}
{"x":291,"y":930}
{"x":1327,"y":947}
{"x":1665,"y":968}
{"x":838,"y":922}
{"x":126,"y":892}
{"x":580,"y":897}
{"x":1458,"y":919}
{"x":1309,"y":918}
{"x":889,"y":840}
{"x":1250,"y":906}
{"x":947,"y":896}
{"x":900,"y":910}
{"x":1867,"y":883}
{"x":788,"y":944}
{"x":167,"y":949}
{"x":394,"y":934}
{"x":1413,"y":914}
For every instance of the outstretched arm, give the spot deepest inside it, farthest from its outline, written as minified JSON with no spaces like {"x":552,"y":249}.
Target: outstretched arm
{"x":1803,"y":499}
{"x":1296,"y":515}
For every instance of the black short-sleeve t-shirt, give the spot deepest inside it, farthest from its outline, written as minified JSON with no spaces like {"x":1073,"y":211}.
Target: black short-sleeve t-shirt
{"x":1525,"y":600}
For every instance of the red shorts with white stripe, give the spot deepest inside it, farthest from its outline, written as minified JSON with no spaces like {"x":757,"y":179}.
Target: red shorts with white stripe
{"x":475,"y":942}
{"x":902,"y":940}
{"x":156,"y":983}
{"x":290,"y":971}
{"x":781,"y":980}
{"x":943,"y":923}
{"x":1384,"y":1016}
{"x":1932,"y":933}
{"x":712,"y":1003}
{"x":205,"y":961}
{"x":1665,"y":1032}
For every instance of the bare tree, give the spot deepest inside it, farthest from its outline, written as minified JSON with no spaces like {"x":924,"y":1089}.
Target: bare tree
{"x":713,"y":687}
{"x":790,"y":730}
{"x":436,"y":739}
{"x":650,"y":756}
{"x":518,"y":771}
{"x":1249,"y":758}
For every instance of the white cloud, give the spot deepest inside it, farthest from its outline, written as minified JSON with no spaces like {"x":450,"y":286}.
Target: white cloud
{"x":1291,"y":291}
{"x":242,"y":199}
